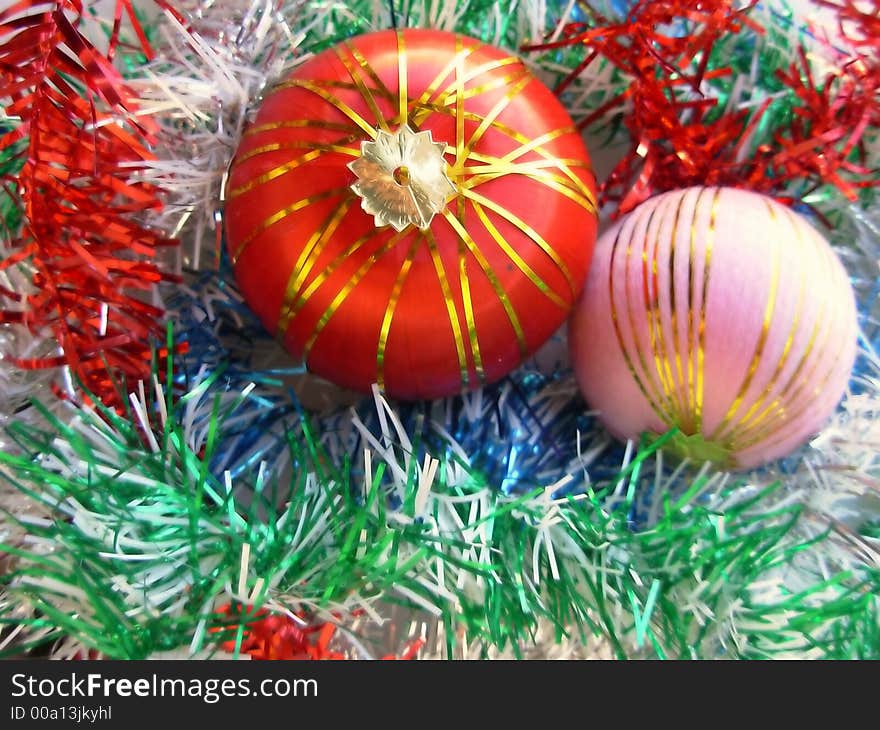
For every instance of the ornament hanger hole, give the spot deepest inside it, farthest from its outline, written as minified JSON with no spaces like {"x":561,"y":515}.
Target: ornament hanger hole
{"x":401,"y":176}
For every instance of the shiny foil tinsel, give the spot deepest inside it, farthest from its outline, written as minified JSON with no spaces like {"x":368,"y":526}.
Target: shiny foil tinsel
{"x":211,"y":63}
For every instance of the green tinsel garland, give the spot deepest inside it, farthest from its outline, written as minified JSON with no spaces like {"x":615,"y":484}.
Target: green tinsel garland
{"x":141,"y":546}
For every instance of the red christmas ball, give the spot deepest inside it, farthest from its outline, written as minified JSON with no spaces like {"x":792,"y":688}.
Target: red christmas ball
{"x":411,"y":208}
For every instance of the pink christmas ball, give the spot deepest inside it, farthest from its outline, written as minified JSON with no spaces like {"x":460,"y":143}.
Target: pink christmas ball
{"x":722,"y":313}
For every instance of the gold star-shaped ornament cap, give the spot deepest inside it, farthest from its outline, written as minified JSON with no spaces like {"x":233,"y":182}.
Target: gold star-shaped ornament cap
{"x":402,"y":178}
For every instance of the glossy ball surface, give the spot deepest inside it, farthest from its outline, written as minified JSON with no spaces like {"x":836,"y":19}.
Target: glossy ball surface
{"x":425,"y":311}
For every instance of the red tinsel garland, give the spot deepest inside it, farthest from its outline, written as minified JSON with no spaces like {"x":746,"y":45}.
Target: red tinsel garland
{"x":92,"y":261}
{"x":273,"y":636}
{"x":674,"y":145}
